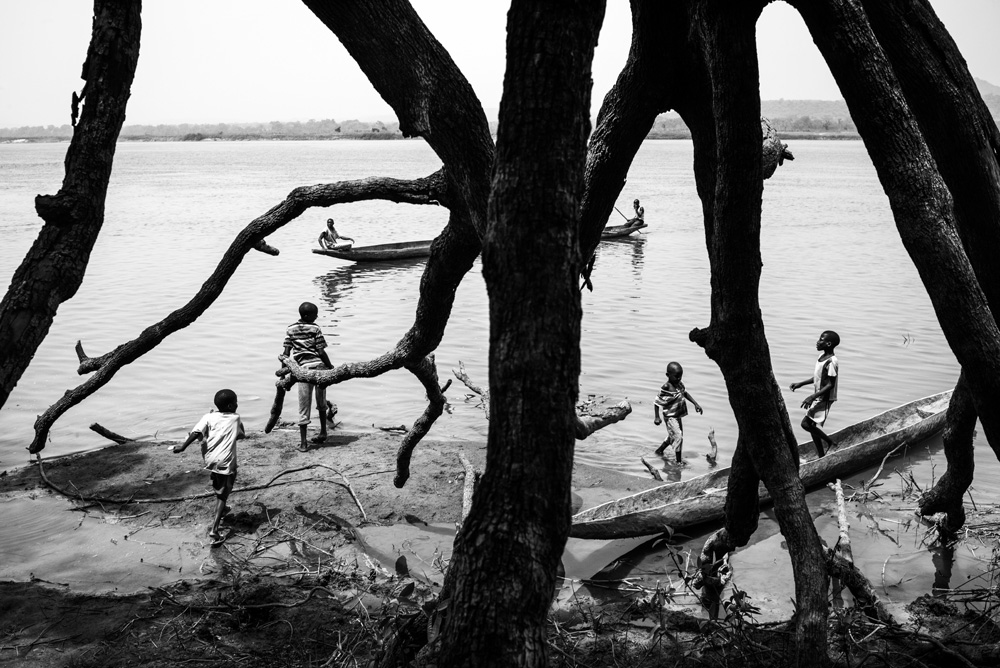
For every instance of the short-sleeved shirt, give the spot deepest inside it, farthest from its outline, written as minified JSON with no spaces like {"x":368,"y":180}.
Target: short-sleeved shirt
{"x":220,"y":431}
{"x":305,"y":339}
{"x":671,"y":400}
{"x":832,"y":366}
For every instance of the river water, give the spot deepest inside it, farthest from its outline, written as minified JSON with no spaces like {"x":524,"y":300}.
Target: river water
{"x":832,"y":260}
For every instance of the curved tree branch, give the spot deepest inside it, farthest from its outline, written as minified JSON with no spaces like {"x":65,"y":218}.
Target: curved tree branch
{"x":428,"y":190}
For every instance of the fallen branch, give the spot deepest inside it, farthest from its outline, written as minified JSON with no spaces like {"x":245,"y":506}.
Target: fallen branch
{"x":428,"y":190}
{"x":472,"y":476}
{"x":652,"y":471}
{"x":713,"y":456}
{"x":843,"y":547}
{"x":862,"y":590}
{"x":108,"y":434}
{"x":588,"y":424}
{"x":484,"y":394}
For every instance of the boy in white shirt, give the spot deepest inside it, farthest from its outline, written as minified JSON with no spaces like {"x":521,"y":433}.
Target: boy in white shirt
{"x":218,"y":432}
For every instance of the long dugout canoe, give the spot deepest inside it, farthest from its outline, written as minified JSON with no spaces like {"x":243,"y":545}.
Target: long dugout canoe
{"x":702,"y":499}
{"x":379,"y":252}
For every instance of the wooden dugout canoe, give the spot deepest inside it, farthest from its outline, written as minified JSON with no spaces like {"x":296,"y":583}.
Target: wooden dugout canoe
{"x":402,"y":250}
{"x":616,"y":231}
{"x":702,"y":499}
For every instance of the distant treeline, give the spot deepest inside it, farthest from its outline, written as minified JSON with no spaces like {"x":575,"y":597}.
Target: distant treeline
{"x":798,"y":118}
{"x":312,"y":129}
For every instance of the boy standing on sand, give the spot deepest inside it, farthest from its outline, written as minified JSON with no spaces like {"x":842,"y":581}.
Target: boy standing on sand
{"x":824,"y":380}
{"x":672,"y":403}
{"x":218,"y":433}
{"x":304,"y":340}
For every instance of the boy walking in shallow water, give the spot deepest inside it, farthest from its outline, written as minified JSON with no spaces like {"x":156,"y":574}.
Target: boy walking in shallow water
{"x":824,"y":380}
{"x":305,"y":341}
{"x":218,"y":433}
{"x":671,"y":402}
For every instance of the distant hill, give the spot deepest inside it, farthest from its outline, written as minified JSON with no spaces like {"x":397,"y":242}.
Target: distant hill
{"x":809,"y":118}
{"x":791,"y":118}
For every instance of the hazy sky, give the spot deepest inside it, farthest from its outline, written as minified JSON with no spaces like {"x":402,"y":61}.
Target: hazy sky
{"x":208,"y":61}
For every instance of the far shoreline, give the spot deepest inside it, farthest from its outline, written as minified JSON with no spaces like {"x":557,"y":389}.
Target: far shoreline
{"x":656,"y":136}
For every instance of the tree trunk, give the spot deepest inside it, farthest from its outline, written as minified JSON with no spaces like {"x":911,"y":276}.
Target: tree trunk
{"x":964,"y":141}
{"x":54,"y":267}
{"x":947,"y":494}
{"x":920,"y":200}
{"x":503,"y":570}
{"x":727,"y":137}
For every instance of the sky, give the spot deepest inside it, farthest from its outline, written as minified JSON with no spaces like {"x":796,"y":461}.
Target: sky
{"x":214,"y":61}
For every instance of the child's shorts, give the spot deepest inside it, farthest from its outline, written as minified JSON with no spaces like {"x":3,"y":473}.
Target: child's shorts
{"x":305,"y":401}
{"x":818,"y":411}
{"x":222,"y":483}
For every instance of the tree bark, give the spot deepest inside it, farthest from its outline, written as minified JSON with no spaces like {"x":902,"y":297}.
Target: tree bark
{"x":920,"y":200}
{"x":727,"y":136}
{"x":54,"y":267}
{"x":503,"y":570}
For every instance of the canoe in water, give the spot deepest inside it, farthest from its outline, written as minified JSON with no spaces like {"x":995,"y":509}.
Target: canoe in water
{"x":702,"y":499}
{"x":615,"y":231}
{"x":379,"y":252}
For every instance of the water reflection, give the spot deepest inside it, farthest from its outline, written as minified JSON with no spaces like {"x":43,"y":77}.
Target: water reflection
{"x":943,"y":558}
{"x":619,"y":250}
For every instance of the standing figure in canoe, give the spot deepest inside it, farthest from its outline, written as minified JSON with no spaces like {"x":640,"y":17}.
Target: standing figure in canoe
{"x":671,"y":402}
{"x":640,"y":215}
{"x":824,"y":380}
{"x":330,"y":238}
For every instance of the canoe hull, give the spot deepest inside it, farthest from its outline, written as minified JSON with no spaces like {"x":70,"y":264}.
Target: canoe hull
{"x":403,"y":250}
{"x":702,"y":499}
{"x":617,"y":231}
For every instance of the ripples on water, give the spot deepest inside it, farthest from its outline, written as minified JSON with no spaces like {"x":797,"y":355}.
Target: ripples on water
{"x":832,"y":260}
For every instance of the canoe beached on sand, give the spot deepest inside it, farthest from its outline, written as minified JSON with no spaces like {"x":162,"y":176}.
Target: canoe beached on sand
{"x":379,"y":252}
{"x":615,"y":231}
{"x":702,"y":499}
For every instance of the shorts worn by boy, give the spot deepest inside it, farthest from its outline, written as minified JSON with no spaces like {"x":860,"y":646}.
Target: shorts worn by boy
{"x":306,"y":340}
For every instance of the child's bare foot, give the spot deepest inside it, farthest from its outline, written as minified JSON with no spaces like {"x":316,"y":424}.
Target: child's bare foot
{"x":660,"y":450}
{"x":321,"y":438}
{"x":303,"y":447}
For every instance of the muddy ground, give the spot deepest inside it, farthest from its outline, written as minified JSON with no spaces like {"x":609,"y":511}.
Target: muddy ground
{"x":295,"y":585}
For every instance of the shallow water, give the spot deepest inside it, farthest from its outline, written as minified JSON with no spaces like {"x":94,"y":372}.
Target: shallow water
{"x":832,"y":260}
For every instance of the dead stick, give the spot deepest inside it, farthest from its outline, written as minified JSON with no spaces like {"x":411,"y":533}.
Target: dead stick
{"x":652,"y":471}
{"x":469,"y":489}
{"x":108,"y":434}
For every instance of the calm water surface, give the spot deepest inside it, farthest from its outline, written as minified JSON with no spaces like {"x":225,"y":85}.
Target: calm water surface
{"x":832,"y":260}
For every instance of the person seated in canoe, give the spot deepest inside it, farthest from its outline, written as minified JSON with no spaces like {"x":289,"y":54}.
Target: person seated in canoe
{"x":330,"y":238}
{"x":824,"y":380}
{"x":640,"y":215}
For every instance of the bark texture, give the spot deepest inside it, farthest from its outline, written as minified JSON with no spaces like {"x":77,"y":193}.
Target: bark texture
{"x":501,"y":578}
{"x":53,"y":268}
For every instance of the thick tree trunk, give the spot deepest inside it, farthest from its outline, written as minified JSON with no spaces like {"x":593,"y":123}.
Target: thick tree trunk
{"x":503,"y":571}
{"x":727,"y":138}
{"x":54,"y":267}
{"x":920,"y":201}
{"x":964,"y":141}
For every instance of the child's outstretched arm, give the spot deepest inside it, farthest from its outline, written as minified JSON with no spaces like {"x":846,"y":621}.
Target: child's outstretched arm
{"x":697,"y":406}
{"x":191,"y":438}
{"x":795,"y":386}
{"x":656,"y":413}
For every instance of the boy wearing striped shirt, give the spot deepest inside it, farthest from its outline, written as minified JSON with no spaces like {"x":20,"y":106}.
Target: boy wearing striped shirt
{"x":304,"y":341}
